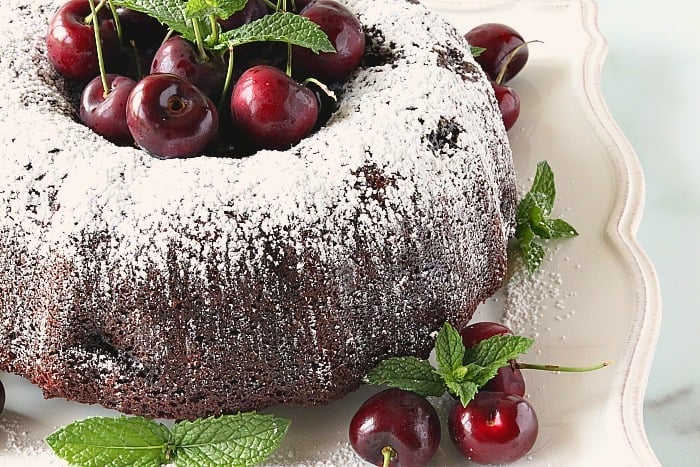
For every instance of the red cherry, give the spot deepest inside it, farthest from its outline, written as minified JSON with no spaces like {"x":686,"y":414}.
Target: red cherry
{"x":403,"y":422}
{"x":169,"y":117}
{"x":508,"y":104}
{"x":271,"y":109}
{"x":70,"y":43}
{"x":253,"y":9}
{"x":345,"y":33}
{"x":499,"y":41}
{"x":494,"y":428}
{"x":477,"y":332}
{"x":106,"y":115}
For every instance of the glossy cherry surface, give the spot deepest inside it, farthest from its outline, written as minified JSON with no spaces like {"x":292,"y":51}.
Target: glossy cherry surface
{"x":508,"y":104}
{"x":499,"y":40}
{"x":494,"y":428}
{"x":271,"y":109}
{"x":106,"y":115}
{"x":401,"y":420}
{"x":70,"y":42}
{"x":253,"y":9}
{"x":169,"y":117}
{"x":178,"y":56}
{"x":477,"y":332}
{"x":345,"y":33}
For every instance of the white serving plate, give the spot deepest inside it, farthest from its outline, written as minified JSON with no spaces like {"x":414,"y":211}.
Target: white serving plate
{"x":596,"y":299}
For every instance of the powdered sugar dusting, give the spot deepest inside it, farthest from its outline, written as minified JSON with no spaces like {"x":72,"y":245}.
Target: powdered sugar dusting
{"x":134,"y":270}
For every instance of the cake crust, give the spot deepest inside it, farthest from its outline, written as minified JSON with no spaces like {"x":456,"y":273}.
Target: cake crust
{"x":187,"y":288}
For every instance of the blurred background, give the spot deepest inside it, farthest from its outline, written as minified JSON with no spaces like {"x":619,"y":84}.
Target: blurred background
{"x":649,"y":81}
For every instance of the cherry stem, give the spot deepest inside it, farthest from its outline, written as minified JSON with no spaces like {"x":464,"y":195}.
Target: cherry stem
{"x":214,"y":28}
{"x":98,"y":45}
{"x":229,"y":79}
{"x":387,"y":453}
{"x":93,"y":12}
{"x":117,"y":22}
{"x":200,"y":41}
{"x":509,"y":58}
{"x":566,"y":369}
{"x":270,"y":4}
{"x":289,"y":60}
{"x":137,"y":62}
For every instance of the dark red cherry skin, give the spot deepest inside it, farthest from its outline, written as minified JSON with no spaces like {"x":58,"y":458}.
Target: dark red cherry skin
{"x":178,"y":56}
{"x":146,"y":31}
{"x":508,"y":104}
{"x":253,"y":9}
{"x":477,"y":332}
{"x":499,"y":40}
{"x":106,"y":115}
{"x":402,"y":420}
{"x":271,"y":109}
{"x":169,"y":117}
{"x":345,"y":33}
{"x":494,"y":428}
{"x":70,"y":43}
{"x":2,"y":397}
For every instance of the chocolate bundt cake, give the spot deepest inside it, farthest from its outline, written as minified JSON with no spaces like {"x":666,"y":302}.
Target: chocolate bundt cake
{"x":191,"y":287}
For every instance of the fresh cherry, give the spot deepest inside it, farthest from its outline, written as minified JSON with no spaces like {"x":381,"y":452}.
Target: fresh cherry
{"x":146,"y":31}
{"x":494,"y":428}
{"x":271,"y":109}
{"x":70,"y":42}
{"x":106,"y":115}
{"x":397,"y":426}
{"x":169,"y":117}
{"x":509,"y":379}
{"x":253,"y":9}
{"x":508,"y":103}
{"x":499,"y":41}
{"x":345,"y":33}
{"x":179,"y":56}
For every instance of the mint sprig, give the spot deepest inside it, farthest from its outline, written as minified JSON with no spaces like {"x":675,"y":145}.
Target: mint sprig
{"x":281,"y":26}
{"x":459,"y":371}
{"x":236,"y":440}
{"x":533,"y":221}
{"x":172,"y":13}
{"x":220,"y":9}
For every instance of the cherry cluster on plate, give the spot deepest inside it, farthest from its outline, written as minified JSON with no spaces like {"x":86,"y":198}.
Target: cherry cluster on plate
{"x":401,"y":428}
{"x":502,"y":55}
{"x":158,"y":90}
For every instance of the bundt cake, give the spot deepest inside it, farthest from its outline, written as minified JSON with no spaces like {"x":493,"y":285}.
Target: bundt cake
{"x":190,"y":287}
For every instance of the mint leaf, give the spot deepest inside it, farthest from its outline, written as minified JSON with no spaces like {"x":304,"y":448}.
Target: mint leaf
{"x":123,"y":441}
{"x":234,"y":440}
{"x":449,"y":350}
{"x":476,"y":51}
{"x":465,"y":391}
{"x":280,"y":26}
{"x":409,"y":374}
{"x":532,"y":218}
{"x":498,"y":350}
{"x":172,"y":13}
{"x":221,"y":9}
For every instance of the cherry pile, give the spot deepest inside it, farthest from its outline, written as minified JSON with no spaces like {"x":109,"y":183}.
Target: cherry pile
{"x":144,"y":85}
{"x":503,"y":55}
{"x":400,"y":428}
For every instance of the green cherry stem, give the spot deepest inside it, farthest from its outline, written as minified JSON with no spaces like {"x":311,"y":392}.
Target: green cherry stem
{"x":289,"y":60}
{"x":117,"y":22}
{"x":229,"y":79}
{"x":387,"y":453}
{"x":93,"y":12}
{"x":565,"y":369}
{"x":509,"y":58}
{"x":214,"y":29}
{"x":98,"y":45}
{"x":270,"y":4}
{"x":199,"y":40}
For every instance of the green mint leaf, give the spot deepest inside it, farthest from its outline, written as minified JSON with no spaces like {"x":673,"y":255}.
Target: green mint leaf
{"x":464,"y":391}
{"x":497,"y":350}
{"x":532,"y":218}
{"x":280,"y":26}
{"x":449,"y":350}
{"x":122,"y":441}
{"x":543,"y":184}
{"x":172,"y":13}
{"x":409,"y":374}
{"x":221,"y":9}
{"x":233,"y":440}
{"x":476,"y":51}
